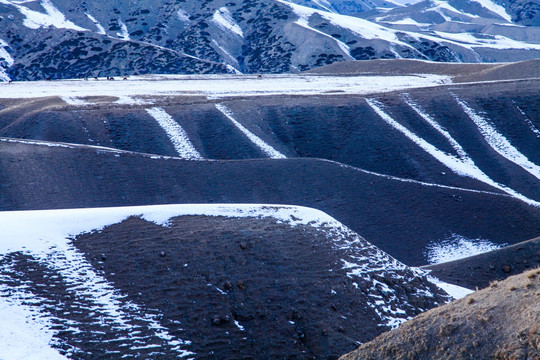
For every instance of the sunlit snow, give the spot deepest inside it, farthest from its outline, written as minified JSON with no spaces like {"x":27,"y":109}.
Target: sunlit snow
{"x":457,"y":247}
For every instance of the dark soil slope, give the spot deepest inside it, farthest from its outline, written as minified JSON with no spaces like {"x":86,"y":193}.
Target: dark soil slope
{"x":460,"y":72}
{"x":480,"y":270}
{"x":342,"y":128}
{"x":253,"y":288}
{"x":398,"y":216}
{"x":500,"y":322}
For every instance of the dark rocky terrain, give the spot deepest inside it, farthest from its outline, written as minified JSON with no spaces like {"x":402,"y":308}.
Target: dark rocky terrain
{"x":500,"y":322}
{"x":62,"y":39}
{"x":480,"y":270}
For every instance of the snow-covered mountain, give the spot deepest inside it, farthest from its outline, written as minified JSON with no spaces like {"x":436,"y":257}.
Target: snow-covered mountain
{"x":69,"y":39}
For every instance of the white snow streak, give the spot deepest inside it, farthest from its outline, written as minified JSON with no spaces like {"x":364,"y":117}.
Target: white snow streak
{"x":6,"y":63}
{"x":267,"y":149}
{"x":498,"y":142}
{"x":124,"y":33}
{"x":223,"y":18}
{"x":495,"y":8}
{"x":463,"y":164}
{"x":178,"y":136}
{"x":533,"y":128}
{"x":101,"y":29}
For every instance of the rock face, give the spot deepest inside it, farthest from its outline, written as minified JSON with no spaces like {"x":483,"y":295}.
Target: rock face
{"x":243,"y":282}
{"x":500,"y":322}
{"x":69,"y":39}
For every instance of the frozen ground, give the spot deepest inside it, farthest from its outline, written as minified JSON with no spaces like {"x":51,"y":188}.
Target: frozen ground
{"x":219,"y":86}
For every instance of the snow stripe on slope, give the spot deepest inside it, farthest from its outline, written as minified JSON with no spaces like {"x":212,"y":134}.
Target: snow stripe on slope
{"x":101,"y":29}
{"x":469,"y":167}
{"x":178,"y":136}
{"x":267,"y":149}
{"x":464,"y":166}
{"x":495,"y":8}
{"x":223,"y":18}
{"x":533,"y":128}
{"x":498,"y":142}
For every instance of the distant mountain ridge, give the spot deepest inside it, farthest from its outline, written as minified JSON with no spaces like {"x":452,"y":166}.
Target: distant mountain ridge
{"x":85,"y":38}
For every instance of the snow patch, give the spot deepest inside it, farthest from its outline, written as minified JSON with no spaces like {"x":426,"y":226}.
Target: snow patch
{"x":23,"y":335}
{"x":533,"y":128}
{"x":457,"y":292}
{"x":178,"y":136}
{"x":223,"y":18}
{"x":183,"y":16}
{"x":267,"y":149}
{"x":457,"y":247}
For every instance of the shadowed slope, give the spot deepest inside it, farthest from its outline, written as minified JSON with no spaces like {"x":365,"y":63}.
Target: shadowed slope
{"x":398,"y":216}
{"x":500,"y":322}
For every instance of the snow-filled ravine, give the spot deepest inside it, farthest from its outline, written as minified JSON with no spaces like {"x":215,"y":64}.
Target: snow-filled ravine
{"x":38,"y":259}
{"x":218,"y":86}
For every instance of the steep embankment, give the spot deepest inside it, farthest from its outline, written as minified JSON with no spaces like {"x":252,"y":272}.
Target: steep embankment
{"x":480,"y":270}
{"x":500,"y":322}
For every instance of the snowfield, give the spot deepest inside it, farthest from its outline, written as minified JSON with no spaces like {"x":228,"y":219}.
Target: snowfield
{"x":219,"y":86}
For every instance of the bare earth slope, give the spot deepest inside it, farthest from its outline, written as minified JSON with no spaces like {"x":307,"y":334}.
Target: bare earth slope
{"x":478,"y":271}
{"x":396,"y":215}
{"x":500,"y":322}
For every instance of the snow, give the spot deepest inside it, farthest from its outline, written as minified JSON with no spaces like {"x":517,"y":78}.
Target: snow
{"x":457,"y":292}
{"x":183,"y":16}
{"x":408,"y":21}
{"x":495,"y":8}
{"x":498,"y":142}
{"x":361,"y":27}
{"x":462,"y":164}
{"x":533,"y":128}
{"x":178,"y":136}
{"x":22,"y":336}
{"x":74,"y":101}
{"x":6,"y":63}
{"x":101,"y":29}
{"x":239,"y":326}
{"x":267,"y":149}
{"x":52,"y":17}
{"x":223,"y":18}
{"x":124,"y":33}
{"x":439,"y":4}
{"x":221,"y":86}
{"x":457,"y":247}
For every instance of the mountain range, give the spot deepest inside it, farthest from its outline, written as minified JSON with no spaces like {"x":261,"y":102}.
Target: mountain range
{"x":52,"y":39}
